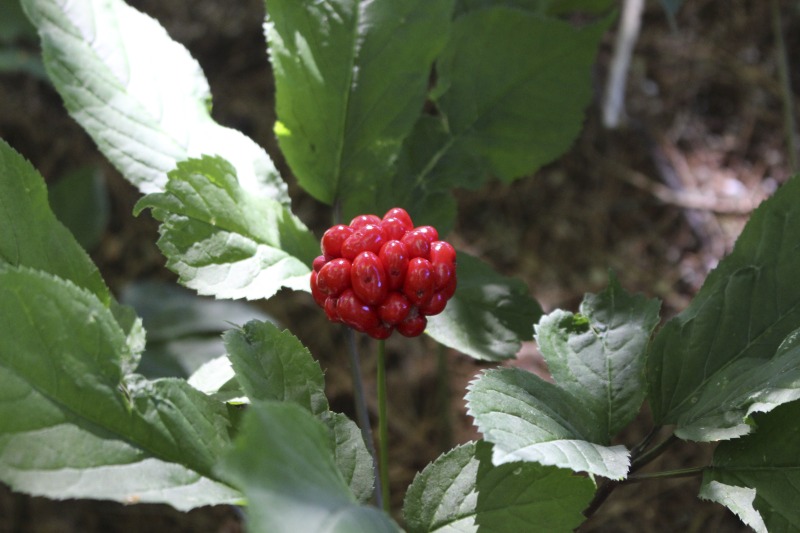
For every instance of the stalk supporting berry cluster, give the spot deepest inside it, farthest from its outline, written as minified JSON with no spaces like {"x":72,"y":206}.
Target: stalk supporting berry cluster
{"x":378,"y":275}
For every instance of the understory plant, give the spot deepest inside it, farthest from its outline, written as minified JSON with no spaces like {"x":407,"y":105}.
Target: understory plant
{"x":381,"y":104}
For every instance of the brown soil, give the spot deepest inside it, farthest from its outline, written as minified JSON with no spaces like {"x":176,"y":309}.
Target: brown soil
{"x":704,"y":130}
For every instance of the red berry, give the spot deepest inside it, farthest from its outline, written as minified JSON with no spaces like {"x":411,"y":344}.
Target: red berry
{"x":368,"y":278}
{"x":331,"y":309}
{"x":381,"y":331}
{"x":318,"y":295}
{"x":355,"y":313}
{"x":334,"y":277}
{"x":435,"y":305}
{"x":368,"y":238}
{"x":450,"y":289}
{"x":318,"y":263}
{"x":394,"y":309}
{"x":418,"y":285}
{"x":394,"y":256}
{"x":413,"y":326}
{"x":394,"y":229}
{"x":443,"y":259}
{"x":362,"y":220}
{"x":402,"y":214}
{"x":333,"y":239}
{"x":419,"y":240}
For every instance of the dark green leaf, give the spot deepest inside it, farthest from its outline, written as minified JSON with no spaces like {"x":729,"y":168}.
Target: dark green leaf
{"x":284,"y":462}
{"x":222,"y":241}
{"x":489,"y":316}
{"x":743,"y":312}
{"x":80,"y":201}
{"x":351,"y":455}
{"x":598,"y":356}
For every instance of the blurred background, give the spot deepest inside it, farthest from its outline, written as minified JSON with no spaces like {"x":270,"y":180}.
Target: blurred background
{"x":658,"y":200}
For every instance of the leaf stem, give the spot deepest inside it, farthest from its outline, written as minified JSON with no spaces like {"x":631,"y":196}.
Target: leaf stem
{"x":443,"y":390}
{"x":361,"y":411}
{"x":667,"y":474}
{"x":652,"y":453}
{"x":383,"y":426}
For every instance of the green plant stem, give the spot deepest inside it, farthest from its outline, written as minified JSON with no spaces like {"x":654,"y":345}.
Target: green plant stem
{"x":652,"y":453}
{"x":789,"y":123}
{"x":361,"y":411}
{"x":443,"y":389}
{"x":383,"y":426}
{"x":666,"y":474}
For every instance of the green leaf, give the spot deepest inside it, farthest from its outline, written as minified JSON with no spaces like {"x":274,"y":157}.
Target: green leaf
{"x":463,"y":491}
{"x":540,"y":7}
{"x":529,"y":419}
{"x":272,"y":364}
{"x":489,"y":316}
{"x":351,"y":77}
{"x":501,"y":93}
{"x":284,"y":462}
{"x":766,"y":461}
{"x":68,"y":352}
{"x":735,"y":324}
{"x":224,"y":242}
{"x":80,"y":201}
{"x":31,"y":235}
{"x":598,"y":355}
{"x":351,"y":455}
{"x":139,"y":94}
{"x":217,"y":379}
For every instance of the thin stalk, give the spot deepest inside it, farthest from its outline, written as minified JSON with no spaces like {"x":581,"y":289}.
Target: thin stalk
{"x":653,"y":452}
{"x":383,"y":426}
{"x":361,"y":411}
{"x":789,"y":123}
{"x":443,"y":389}
{"x":667,"y":474}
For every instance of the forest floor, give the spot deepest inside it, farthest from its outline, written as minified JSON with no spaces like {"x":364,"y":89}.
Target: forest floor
{"x":659,"y":201}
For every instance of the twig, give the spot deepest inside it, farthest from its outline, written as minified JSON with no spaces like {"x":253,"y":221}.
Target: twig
{"x":383,"y":426}
{"x":627,"y":34}
{"x":789,"y":123}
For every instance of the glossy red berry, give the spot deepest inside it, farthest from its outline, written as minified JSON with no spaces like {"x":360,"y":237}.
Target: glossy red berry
{"x":334,"y":277}
{"x":362,"y":220}
{"x":402,"y":214}
{"x":450,"y":289}
{"x":435,"y":305}
{"x":355,"y":313}
{"x":318,"y":263}
{"x":413,"y":326}
{"x":394,"y":229}
{"x":443,"y":259}
{"x":331,"y":309}
{"x":318,"y":295}
{"x":368,"y":278}
{"x":418,"y":285}
{"x":394,"y":309}
{"x":381,"y":331}
{"x":419,"y":240}
{"x":368,"y":238}
{"x":333,"y":239}
{"x":394,"y":256}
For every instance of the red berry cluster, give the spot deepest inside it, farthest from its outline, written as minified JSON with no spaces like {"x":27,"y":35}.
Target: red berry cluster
{"x":377,"y":275}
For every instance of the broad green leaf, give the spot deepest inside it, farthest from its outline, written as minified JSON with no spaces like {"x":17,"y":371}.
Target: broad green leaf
{"x":351,"y":77}
{"x":766,"y":461}
{"x":222,"y":241}
{"x":283,"y":460}
{"x":463,"y":492}
{"x":737,"y":321}
{"x":217,"y":379}
{"x":351,"y":455}
{"x":139,"y":94}
{"x":489,"y":316}
{"x":80,"y":201}
{"x":272,"y":364}
{"x":598,"y":355}
{"x":742,"y":388}
{"x":501,"y":93}
{"x":529,"y":419}
{"x":184,"y":330}
{"x":69,"y":350}
{"x":540,"y":7}
{"x":31,"y":235}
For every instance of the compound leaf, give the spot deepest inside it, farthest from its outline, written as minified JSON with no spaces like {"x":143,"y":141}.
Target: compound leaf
{"x":139,"y":94}
{"x":488,"y":317}
{"x":283,"y":460}
{"x":734,"y":326}
{"x":529,"y":419}
{"x":224,"y":242}
{"x":351,"y":77}
{"x":758,"y":476}
{"x":598,"y":355}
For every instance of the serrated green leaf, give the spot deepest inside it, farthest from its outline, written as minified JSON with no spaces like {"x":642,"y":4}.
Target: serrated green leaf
{"x":79,"y":200}
{"x":271,"y":364}
{"x":598,"y":356}
{"x":351,"y":77}
{"x":351,"y":455}
{"x":529,"y":419}
{"x":766,"y":461}
{"x":283,"y":460}
{"x":224,"y":242}
{"x":462,"y":491}
{"x":217,"y":379}
{"x":489,"y":316}
{"x":139,"y":94}
{"x":500,"y":90}
{"x":69,"y":350}
{"x":31,"y":235}
{"x":737,"y":321}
